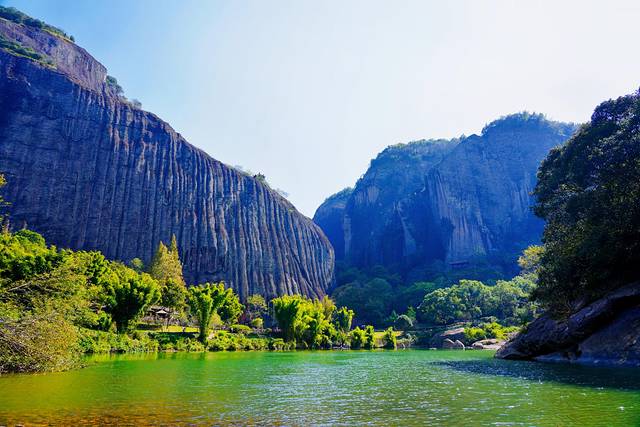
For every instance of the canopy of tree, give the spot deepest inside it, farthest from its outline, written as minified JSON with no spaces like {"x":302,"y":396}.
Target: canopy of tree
{"x":588,"y":192}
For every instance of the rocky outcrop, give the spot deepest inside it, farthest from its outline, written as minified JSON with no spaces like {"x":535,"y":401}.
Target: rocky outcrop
{"x":488,"y":344}
{"x":88,"y":170}
{"x":329,"y":217}
{"x":455,"y":334}
{"x":444,"y":204}
{"x":606,"y":331}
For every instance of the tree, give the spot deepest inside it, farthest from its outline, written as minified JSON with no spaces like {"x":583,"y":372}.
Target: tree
{"x":369,"y":338}
{"x":166,"y":268}
{"x":357,"y":338}
{"x":530,"y":259}
{"x":343,"y":318}
{"x":128,"y":295}
{"x":137,"y":265}
{"x":256,"y":306}
{"x":166,"y":263}
{"x":205,"y":301}
{"x":230,"y":309}
{"x":389,"y":339}
{"x":287,"y":311}
{"x":588,"y":193}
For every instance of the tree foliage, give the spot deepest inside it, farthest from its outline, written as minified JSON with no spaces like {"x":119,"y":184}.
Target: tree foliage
{"x":588,"y":192}
{"x":209,"y":299}
{"x":166,"y":268}
{"x":128,"y":295}
{"x":311,"y":323}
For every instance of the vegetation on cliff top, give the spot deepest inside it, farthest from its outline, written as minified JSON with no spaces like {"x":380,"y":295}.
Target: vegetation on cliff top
{"x":14,"y":15}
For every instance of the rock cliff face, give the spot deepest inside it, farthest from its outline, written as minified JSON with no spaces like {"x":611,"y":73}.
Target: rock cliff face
{"x":88,"y":170}
{"x":441,"y":204}
{"x":606,"y":331}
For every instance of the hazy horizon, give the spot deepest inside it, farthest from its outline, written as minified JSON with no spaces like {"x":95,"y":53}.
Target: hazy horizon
{"x":308,"y":93}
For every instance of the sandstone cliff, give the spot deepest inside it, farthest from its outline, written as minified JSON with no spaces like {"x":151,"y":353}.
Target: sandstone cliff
{"x":438,"y":204}
{"x":88,"y":170}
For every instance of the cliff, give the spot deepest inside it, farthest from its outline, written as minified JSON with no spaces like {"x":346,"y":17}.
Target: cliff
{"x":89,"y":170}
{"x":443,"y":204}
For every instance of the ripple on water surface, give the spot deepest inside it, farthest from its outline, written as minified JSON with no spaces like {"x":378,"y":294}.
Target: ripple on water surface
{"x":412,"y":387}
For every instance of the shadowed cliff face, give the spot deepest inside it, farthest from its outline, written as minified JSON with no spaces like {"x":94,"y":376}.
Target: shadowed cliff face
{"x":447,"y":204}
{"x":89,"y":171}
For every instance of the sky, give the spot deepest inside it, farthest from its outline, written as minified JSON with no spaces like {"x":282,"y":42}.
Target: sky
{"x":308,"y":92}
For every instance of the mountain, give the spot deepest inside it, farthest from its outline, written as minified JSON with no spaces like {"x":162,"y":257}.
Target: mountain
{"x":431,"y":206}
{"x":89,"y":169}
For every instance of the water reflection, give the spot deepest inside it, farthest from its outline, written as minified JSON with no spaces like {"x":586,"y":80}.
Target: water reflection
{"x":622,"y":378}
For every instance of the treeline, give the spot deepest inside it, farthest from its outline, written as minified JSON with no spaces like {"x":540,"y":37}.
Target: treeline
{"x":14,"y":15}
{"x":383,"y":299}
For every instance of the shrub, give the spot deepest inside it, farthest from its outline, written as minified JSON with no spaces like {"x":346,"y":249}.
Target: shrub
{"x":389,"y":339}
{"x":257,"y":323}
{"x":357,"y":338}
{"x":369,"y":338}
{"x":240,"y":329}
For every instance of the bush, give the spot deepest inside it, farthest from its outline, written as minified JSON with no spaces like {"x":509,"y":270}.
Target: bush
{"x":369,"y":338}
{"x":257,"y":323}
{"x":240,"y":329}
{"x":91,"y":341}
{"x":37,"y":343}
{"x":488,"y":330}
{"x":357,"y":338}
{"x":389,"y":339}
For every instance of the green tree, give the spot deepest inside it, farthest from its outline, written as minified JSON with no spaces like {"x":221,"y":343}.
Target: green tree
{"x":166,"y":263}
{"x":256,"y":306}
{"x":287,"y":310}
{"x":588,"y":192}
{"x":128,"y":295}
{"x":231,"y":308}
{"x":369,"y":338}
{"x":343,"y":318}
{"x":357,"y":338}
{"x":166,"y":268}
{"x":206,"y":300}
{"x":389,"y":339}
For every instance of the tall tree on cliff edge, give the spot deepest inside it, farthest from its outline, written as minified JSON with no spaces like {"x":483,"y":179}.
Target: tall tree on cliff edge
{"x":588,"y":191}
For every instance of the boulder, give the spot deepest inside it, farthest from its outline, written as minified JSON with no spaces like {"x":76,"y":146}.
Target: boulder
{"x":452,"y":345}
{"x":606,"y":331}
{"x":488,"y":344}
{"x":450,"y":334}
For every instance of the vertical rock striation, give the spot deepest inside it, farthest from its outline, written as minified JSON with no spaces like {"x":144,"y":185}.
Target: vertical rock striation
{"x":437,"y":204}
{"x":88,"y":170}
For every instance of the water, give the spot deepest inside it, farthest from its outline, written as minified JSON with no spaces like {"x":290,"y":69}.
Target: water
{"x":411,"y":387}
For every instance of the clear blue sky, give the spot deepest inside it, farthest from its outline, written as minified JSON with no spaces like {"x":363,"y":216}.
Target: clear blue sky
{"x":307,"y":92}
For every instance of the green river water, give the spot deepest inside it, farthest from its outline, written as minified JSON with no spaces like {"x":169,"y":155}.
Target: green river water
{"x":409,"y":387}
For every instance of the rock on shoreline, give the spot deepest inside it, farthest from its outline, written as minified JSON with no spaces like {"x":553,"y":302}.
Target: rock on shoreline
{"x":606,"y":332}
